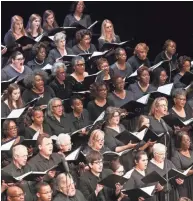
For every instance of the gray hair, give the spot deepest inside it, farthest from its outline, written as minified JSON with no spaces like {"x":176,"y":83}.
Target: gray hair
{"x":56,"y":66}
{"x":18,"y":149}
{"x":159,"y":148}
{"x":49,"y":107}
{"x":179,"y":92}
{"x":76,"y":59}
{"x":59,"y":36}
{"x":110,"y":111}
{"x":61,"y":179}
{"x":62,"y":138}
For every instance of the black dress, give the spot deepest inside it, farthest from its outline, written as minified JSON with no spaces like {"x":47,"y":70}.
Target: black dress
{"x":36,"y":66}
{"x":101,"y":42}
{"x":123,"y":73}
{"x":5,"y":111}
{"x":173,"y":194}
{"x":182,"y":163}
{"x":76,"y":49}
{"x":29,"y":95}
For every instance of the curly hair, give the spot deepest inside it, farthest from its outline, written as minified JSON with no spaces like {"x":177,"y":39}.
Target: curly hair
{"x":182,"y":60}
{"x":81,"y":33}
{"x":167,"y":43}
{"x":141,"y":69}
{"x":38,"y":46}
{"x":94,"y":88}
{"x":29,"y":80}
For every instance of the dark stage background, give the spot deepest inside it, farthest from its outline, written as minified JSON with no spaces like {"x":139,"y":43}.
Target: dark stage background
{"x":149,"y":22}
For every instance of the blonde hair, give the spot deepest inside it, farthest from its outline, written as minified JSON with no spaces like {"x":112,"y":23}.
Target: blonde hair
{"x":14,"y":20}
{"x":155,"y":105}
{"x":103,"y":33}
{"x":140,"y":45}
{"x":94,"y":136}
{"x":30,"y":21}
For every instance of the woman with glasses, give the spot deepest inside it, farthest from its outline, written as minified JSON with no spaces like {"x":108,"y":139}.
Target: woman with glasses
{"x":100,"y":102}
{"x":36,"y":88}
{"x":183,"y":159}
{"x":15,"y":67}
{"x":84,"y":45}
{"x":10,"y":132}
{"x":161,"y":165}
{"x":142,"y":86}
{"x":121,"y":67}
{"x":180,"y":109}
{"x":60,"y":50}
{"x":96,"y":142}
{"x":57,"y":120}
{"x":11,"y":100}
{"x":35,"y":123}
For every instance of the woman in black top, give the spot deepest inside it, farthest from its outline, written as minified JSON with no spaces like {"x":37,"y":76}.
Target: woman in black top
{"x":100,"y":102}
{"x":84,"y":45}
{"x":184,"y":64}
{"x":140,"y":57}
{"x":11,"y":100}
{"x":159,"y":77}
{"x":40,"y":51}
{"x":76,"y":15}
{"x":60,"y":50}
{"x":180,"y":109}
{"x":10,"y":132}
{"x":34,"y":28}
{"x":143,"y":86}
{"x":35,"y":84}
{"x":49,"y":21}
{"x":35,"y":123}
{"x":57,"y":120}
{"x":107,"y":34}
{"x":183,"y":159}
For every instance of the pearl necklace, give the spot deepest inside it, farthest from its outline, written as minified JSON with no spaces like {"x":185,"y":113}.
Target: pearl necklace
{"x":38,"y":63}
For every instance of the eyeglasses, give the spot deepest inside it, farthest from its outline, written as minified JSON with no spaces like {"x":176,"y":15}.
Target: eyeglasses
{"x":47,"y":192}
{"x":19,"y":195}
{"x":161,"y":154}
{"x":20,"y":59}
{"x":98,"y":162}
{"x":57,"y":106}
{"x":163,"y":105}
{"x":12,"y":128}
{"x":79,"y":65}
{"x":99,"y":140}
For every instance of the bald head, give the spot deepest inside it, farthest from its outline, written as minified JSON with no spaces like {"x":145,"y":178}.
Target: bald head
{"x":15,"y":193}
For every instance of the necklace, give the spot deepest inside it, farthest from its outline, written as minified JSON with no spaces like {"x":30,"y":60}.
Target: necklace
{"x":85,"y":51}
{"x":38,"y":62}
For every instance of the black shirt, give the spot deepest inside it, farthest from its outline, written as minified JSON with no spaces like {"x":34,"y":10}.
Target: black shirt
{"x":77,"y":50}
{"x":36,"y":66}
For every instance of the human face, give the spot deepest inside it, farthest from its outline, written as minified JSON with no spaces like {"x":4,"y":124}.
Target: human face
{"x":36,"y":23}
{"x":162,"y":108}
{"x":57,"y":108}
{"x":45,"y":193}
{"x":38,"y":117}
{"x":18,"y":26}
{"x":86,"y":40}
{"x":102,"y":92}
{"x":99,"y":141}
{"x":105,"y":66}
{"x":15,"y":94}
{"x":16,"y":195}
{"x":115,"y":119}
{"x":46,"y":147}
{"x":186,"y":66}
{"x":80,"y":67}
{"x":69,"y":187}
{"x":12,"y":130}
{"x":185,"y":144}
{"x":120,"y":84}
{"x":108,"y":28}
{"x":145,"y":78}
{"x":18,"y":61}
{"x":50,"y":19}
{"x":122,"y":55}
{"x":163,"y":77}
{"x":120,"y":171}
{"x":142,"y":163}
{"x":160,"y":157}
{"x":21,"y":158}
{"x":41,"y":55}
{"x":77,"y":106}
{"x":80,"y":7}
{"x":61,"y":44}
{"x":66,"y":146}
{"x":142,"y":53}
{"x":97,"y":166}
{"x":180,"y":101}
{"x":39,"y":83}
{"x":171,"y":49}
{"x":61,"y":74}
